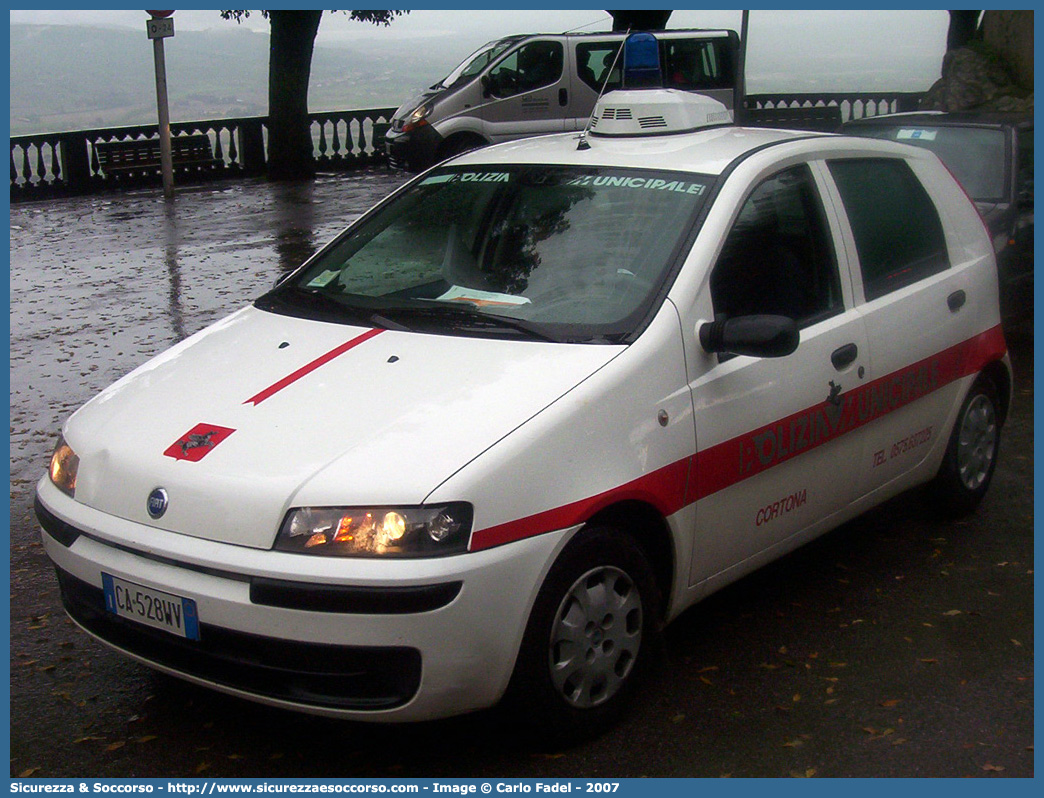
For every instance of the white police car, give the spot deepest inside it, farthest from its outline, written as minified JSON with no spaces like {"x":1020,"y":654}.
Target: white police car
{"x":530,"y":408}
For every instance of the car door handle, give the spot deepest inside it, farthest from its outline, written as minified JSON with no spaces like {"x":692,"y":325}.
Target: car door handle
{"x":843,"y":356}
{"x":956,"y":300}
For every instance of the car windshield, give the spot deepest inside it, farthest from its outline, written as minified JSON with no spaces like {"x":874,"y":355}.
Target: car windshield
{"x":549,"y":252}
{"x":475,"y":62}
{"x":975,"y":155}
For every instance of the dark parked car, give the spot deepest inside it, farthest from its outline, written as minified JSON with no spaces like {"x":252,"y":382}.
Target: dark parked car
{"x":991,"y":155}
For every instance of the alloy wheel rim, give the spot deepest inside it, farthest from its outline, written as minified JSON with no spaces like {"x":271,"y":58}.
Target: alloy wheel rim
{"x":977,"y":442}
{"x":595,"y":637}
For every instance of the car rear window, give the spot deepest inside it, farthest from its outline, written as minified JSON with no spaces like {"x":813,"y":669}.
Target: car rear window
{"x":975,"y":155}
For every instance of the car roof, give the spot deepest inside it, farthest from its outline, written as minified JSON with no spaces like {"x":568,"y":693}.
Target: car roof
{"x":669,"y":32}
{"x":708,"y":151}
{"x":952,"y":118}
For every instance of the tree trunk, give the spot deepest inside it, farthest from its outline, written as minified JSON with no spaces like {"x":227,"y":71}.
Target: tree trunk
{"x":289,"y":67}
{"x":963,"y":26}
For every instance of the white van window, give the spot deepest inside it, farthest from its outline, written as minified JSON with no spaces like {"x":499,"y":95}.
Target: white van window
{"x":593,"y":62}
{"x":475,"y":63}
{"x":695,"y":65}
{"x":531,"y":66}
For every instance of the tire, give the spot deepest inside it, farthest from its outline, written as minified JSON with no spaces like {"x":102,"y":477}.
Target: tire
{"x":458,"y":146}
{"x":971,"y":454}
{"x":590,"y":636}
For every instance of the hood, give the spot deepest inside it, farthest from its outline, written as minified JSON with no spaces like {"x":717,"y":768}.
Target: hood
{"x":263,"y":412}
{"x":407,"y":107}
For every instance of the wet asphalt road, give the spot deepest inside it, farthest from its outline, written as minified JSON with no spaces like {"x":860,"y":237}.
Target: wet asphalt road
{"x":898,"y":645}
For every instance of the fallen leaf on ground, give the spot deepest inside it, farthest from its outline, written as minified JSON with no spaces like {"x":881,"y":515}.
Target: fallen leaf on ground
{"x":890,"y":702}
{"x":929,"y":661}
{"x":27,"y":773}
{"x":202,"y":766}
{"x":993,"y":768}
{"x":793,"y":743}
{"x":116,"y":745}
{"x":952,"y":612}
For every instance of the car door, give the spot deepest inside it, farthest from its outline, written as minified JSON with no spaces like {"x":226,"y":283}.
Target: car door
{"x":526,"y":92}
{"x":920,"y":303}
{"x":776,"y":439}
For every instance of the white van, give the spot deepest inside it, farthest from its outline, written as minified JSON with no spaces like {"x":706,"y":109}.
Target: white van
{"x":527,"y":85}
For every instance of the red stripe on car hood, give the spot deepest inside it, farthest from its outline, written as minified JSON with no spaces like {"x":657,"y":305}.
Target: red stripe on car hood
{"x":308,"y":368}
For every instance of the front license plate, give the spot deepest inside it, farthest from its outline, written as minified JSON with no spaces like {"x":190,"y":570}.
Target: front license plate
{"x":151,"y":607}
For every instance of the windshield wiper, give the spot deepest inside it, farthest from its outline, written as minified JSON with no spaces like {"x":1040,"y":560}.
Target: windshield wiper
{"x":466,"y":317}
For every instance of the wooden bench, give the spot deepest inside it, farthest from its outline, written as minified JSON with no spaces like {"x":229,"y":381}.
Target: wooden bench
{"x":141,"y":157}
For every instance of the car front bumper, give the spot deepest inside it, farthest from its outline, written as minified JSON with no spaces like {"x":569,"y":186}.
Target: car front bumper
{"x":413,"y":151}
{"x":371,"y":640}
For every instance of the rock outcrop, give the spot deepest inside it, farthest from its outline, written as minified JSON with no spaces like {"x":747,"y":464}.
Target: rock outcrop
{"x":974,"y":81}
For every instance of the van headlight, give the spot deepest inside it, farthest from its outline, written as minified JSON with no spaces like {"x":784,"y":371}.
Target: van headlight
{"x":63,"y":468}
{"x":429,"y":531}
{"x":419,"y":116}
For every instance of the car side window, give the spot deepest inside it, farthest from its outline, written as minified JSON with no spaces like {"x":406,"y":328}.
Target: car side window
{"x":692,"y":65}
{"x":532,"y":66}
{"x":779,"y":258}
{"x":897,"y":230}
{"x":593,"y":62}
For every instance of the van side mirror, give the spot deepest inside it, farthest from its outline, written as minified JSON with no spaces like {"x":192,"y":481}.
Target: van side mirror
{"x":757,"y":336}
{"x":487,"y":86}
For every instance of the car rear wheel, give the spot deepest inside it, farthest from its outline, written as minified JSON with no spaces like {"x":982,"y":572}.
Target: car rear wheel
{"x":971,"y":455}
{"x":589,"y":637}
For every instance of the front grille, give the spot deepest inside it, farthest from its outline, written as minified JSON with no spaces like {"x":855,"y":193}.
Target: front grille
{"x":316,"y":674}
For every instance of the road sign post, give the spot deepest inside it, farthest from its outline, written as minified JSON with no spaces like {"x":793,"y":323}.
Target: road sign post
{"x":158,"y":28}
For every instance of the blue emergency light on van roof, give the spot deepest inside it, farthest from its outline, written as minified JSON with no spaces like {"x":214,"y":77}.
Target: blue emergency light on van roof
{"x":642,"y":61}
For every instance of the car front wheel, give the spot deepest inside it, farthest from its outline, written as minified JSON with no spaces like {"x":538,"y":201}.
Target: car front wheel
{"x":589,"y":637}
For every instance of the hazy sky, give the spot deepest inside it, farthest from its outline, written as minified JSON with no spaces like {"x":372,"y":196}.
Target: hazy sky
{"x":849,"y":50}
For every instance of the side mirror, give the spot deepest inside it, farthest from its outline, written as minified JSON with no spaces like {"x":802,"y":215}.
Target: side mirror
{"x":757,"y":336}
{"x":487,"y":86}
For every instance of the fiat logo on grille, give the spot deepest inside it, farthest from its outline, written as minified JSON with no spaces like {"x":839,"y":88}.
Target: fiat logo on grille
{"x":157,"y":503}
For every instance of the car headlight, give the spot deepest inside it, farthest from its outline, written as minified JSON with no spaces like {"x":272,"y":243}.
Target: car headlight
{"x":418,"y":117}
{"x":64,"y":465}
{"x":430,"y":531}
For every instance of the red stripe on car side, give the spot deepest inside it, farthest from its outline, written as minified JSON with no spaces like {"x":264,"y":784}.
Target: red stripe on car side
{"x":664,"y":489}
{"x":751,"y":453}
{"x":308,"y":368}
{"x":670,"y":488}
